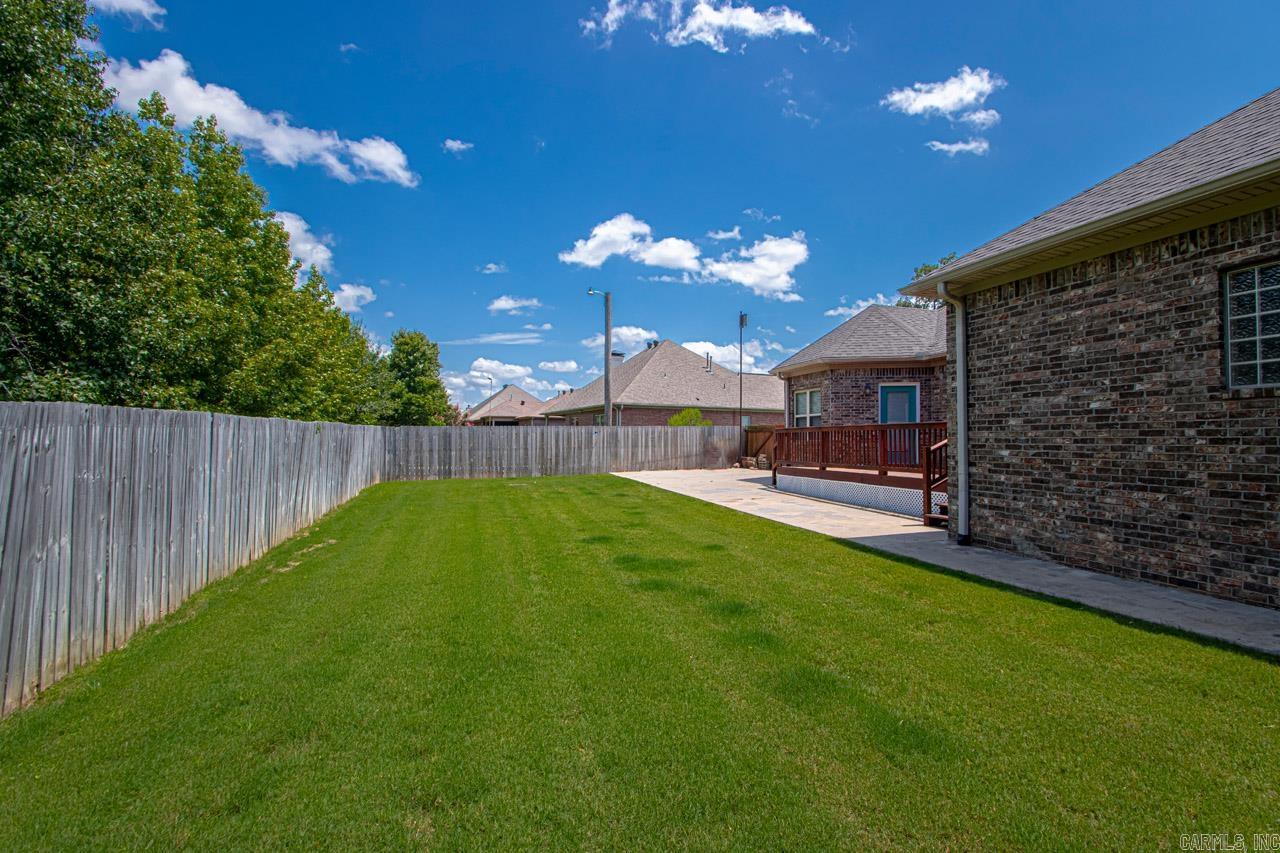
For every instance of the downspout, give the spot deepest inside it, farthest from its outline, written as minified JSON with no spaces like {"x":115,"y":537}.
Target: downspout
{"x":962,"y":414}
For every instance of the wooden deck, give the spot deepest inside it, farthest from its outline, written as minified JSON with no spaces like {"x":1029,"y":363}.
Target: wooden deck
{"x":911,"y":456}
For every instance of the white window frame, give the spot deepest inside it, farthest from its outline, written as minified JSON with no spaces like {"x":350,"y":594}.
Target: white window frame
{"x":1230,"y":322}
{"x":808,"y":416}
{"x":880,"y":398}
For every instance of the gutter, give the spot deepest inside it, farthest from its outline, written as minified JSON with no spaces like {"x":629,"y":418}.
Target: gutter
{"x":962,"y":414}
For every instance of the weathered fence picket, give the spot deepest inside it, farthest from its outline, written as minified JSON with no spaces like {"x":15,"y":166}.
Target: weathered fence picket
{"x":111,"y":517}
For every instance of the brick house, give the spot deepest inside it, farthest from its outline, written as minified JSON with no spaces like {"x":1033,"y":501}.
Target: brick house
{"x":1115,"y":367}
{"x":885,"y":364}
{"x":664,"y":379}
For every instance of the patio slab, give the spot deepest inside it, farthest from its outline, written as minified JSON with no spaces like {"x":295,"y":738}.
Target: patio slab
{"x":1254,"y":628}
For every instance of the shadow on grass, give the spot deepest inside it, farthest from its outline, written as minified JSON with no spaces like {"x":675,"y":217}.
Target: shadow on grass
{"x":641,"y":564}
{"x":1119,"y":619}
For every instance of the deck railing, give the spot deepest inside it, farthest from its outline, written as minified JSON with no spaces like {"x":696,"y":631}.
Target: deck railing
{"x":885,"y":454}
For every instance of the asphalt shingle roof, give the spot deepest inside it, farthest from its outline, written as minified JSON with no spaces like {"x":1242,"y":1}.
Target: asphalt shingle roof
{"x":1247,"y":138}
{"x":670,"y":375}
{"x":877,"y":333}
{"x":511,"y":401}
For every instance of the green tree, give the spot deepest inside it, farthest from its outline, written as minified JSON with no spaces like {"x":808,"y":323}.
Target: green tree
{"x":688,"y":417}
{"x":919,"y":273}
{"x":418,"y":395}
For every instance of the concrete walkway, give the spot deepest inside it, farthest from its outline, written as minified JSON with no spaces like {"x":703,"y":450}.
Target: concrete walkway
{"x":748,"y":491}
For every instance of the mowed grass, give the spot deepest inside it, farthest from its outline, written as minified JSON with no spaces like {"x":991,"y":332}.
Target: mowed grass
{"x":589,"y":662}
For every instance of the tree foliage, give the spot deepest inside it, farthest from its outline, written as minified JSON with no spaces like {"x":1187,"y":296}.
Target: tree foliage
{"x":919,"y":273}
{"x":141,"y":266}
{"x":688,"y":417}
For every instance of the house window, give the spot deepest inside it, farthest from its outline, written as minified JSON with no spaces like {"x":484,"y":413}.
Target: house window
{"x":1253,"y":327}
{"x":808,"y":410}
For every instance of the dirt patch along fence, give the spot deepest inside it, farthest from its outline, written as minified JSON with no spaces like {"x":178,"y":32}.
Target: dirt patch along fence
{"x":111,"y":517}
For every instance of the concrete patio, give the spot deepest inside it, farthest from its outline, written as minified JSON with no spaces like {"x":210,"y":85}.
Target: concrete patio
{"x":1253,"y":628}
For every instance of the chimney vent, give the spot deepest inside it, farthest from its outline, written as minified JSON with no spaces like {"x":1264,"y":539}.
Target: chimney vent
{"x":617,"y":357}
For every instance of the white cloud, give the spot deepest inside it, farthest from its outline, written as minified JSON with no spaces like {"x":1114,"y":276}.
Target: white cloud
{"x":621,"y":235}
{"x":348,"y":47}
{"x":844,"y":310}
{"x":375,"y":343}
{"x":487,"y":375}
{"x":351,"y":297}
{"x":765,"y":268}
{"x":457,"y":147}
{"x":760,"y":216}
{"x":514,"y":304}
{"x":270,"y":134}
{"x":670,"y":253}
{"x":492,"y":268}
{"x":726,"y":355}
{"x":967,"y":90}
{"x":978,"y":146}
{"x":307,"y":248}
{"x":790,"y":329}
{"x":982,"y":119}
{"x":628,"y":339}
{"x":499,"y":369}
{"x":504,"y":338}
{"x":568,"y":366}
{"x":537,"y":327}
{"x":709,"y":22}
{"x":734,"y":233}
{"x":148,"y":10}
{"x":388,"y":314}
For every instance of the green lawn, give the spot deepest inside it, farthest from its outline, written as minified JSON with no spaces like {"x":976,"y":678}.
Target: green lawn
{"x":588,"y":662}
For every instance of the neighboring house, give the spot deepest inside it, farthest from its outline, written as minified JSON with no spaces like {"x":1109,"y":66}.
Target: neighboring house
{"x":665,"y":378}
{"x":506,"y":407}
{"x":885,"y":364}
{"x":1122,"y":364}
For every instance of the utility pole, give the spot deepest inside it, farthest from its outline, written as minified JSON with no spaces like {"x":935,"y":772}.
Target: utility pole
{"x":608,"y":350}
{"x":742,"y":324}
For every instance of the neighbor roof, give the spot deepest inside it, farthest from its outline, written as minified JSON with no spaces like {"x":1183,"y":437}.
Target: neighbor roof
{"x":1230,"y":161}
{"x":511,"y":401}
{"x":668,"y":375}
{"x":878,"y":333}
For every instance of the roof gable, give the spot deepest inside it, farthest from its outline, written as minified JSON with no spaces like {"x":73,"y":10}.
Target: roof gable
{"x":878,"y":333}
{"x":510,"y":401}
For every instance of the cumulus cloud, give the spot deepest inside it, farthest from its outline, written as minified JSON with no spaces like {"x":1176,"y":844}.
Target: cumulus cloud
{"x":270,"y":134}
{"x":487,"y":375}
{"x":567,"y":366}
{"x":514,"y":304}
{"x":734,"y":233}
{"x":492,"y":268}
{"x":978,"y":146}
{"x":306,"y":247}
{"x":457,"y":147}
{"x":628,"y":339}
{"x":958,"y":98}
{"x":726,"y":355}
{"x":352,"y":297}
{"x":847,"y":310}
{"x":708,"y":22}
{"x":537,"y":327}
{"x":765,"y":268}
{"x":966,"y":91}
{"x":146,"y":10}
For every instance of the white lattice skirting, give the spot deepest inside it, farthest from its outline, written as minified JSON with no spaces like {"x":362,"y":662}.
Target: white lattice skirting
{"x":885,"y":498}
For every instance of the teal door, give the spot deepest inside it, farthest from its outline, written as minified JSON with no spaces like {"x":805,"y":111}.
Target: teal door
{"x":899,"y":404}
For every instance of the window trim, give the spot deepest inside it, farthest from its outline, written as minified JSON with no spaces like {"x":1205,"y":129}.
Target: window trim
{"x":808,"y":415}
{"x":1225,"y":275}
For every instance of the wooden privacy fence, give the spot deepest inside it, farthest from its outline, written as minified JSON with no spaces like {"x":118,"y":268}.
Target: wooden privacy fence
{"x":111,"y":517}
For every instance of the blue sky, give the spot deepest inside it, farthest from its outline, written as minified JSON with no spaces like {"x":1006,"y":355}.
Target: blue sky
{"x":599,"y":144}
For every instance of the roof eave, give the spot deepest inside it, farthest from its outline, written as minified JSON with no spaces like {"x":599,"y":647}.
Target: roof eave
{"x":958,"y":272}
{"x":784,"y":370}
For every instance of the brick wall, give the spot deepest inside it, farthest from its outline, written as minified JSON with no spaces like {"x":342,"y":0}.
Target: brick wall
{"x":851,"y":396}
{"x":636,"y":416}
{"x":1103,"y":433}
